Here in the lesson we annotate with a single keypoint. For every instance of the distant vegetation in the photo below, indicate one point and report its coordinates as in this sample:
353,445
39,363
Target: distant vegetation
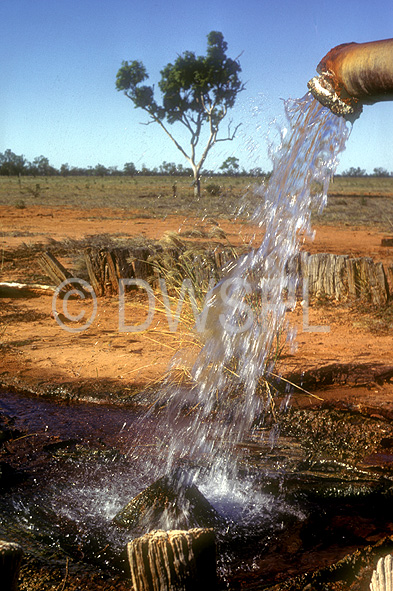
17,165
14,165
359,172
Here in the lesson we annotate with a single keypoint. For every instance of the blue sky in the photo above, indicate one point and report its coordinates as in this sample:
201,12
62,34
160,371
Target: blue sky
60,59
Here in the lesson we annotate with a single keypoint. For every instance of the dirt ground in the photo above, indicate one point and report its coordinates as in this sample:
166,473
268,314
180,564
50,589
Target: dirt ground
37,353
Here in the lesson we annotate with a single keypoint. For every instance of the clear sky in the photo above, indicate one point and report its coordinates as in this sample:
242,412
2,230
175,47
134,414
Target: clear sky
60,59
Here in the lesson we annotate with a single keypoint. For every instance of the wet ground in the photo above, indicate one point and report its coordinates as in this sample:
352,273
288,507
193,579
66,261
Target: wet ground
323,491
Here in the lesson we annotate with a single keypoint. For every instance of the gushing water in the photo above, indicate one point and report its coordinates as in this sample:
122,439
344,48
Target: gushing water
245,313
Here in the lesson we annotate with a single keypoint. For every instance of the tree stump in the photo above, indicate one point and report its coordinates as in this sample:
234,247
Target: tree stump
139,260
102,271
382,577
10,561
173,561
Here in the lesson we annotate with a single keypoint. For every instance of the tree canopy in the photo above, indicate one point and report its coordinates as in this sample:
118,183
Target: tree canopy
230,165
196,91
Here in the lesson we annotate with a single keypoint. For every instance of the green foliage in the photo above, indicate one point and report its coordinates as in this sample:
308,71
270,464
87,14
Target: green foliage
379,171
194,82
354,171
12,164
100,170
129,169
230,165
195,90
130,75
41,167
170,168
189,85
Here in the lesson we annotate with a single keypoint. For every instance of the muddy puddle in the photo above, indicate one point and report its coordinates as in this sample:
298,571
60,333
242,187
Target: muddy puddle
303,500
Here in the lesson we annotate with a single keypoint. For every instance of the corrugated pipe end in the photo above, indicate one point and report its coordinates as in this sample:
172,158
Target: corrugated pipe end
323,90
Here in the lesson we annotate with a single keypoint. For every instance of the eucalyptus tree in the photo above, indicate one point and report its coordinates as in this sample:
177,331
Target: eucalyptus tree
197,92
230,166
12,164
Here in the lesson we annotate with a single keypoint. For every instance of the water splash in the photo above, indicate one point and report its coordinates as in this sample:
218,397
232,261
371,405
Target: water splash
246,312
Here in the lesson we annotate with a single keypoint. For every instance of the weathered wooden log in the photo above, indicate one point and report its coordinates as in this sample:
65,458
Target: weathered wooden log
107,267
367,280
112,276
10,561
141,266
13,287
340,277
93,272
171,502
337,277
59,274
173,561
326,275
389,274
53,268
382,577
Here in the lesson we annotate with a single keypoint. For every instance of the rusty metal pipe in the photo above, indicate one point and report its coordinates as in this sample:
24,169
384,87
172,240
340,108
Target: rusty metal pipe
354,74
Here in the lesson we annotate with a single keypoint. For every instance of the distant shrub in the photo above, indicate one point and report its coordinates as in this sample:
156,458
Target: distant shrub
36,191
213,189
20,204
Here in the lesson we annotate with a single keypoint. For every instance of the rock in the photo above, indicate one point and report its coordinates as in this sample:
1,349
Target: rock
170,502
173,560
10,561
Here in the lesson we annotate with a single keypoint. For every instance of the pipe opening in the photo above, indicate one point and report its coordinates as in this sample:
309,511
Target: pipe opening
322,89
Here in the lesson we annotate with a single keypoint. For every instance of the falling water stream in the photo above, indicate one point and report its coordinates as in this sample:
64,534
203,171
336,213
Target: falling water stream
246,312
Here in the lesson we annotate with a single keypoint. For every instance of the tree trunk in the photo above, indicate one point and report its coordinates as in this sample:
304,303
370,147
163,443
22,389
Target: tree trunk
197,187
197,179
173,561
